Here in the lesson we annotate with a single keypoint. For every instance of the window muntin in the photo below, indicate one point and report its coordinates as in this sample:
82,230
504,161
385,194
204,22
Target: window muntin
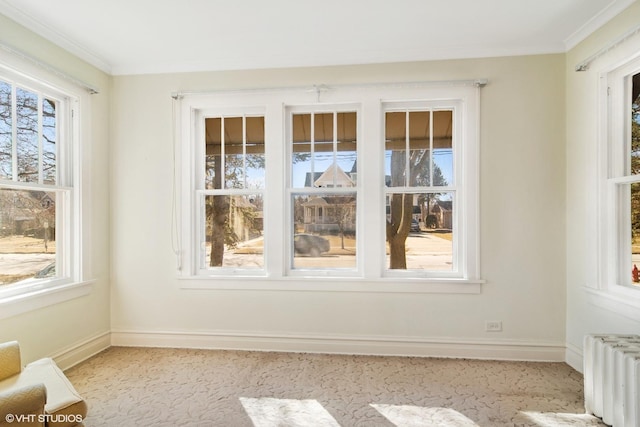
231,193
421,227
35,194
323,188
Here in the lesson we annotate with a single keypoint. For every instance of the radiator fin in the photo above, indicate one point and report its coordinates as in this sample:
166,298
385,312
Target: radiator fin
612,378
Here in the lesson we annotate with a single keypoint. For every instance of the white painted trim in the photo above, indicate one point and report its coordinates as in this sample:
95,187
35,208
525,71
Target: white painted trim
596,22
54,36
343,344
335,284
621,304
612,254
81,351
334,59
574,357
29,301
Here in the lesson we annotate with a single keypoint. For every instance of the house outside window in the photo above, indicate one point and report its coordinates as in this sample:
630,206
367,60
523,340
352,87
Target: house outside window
295,183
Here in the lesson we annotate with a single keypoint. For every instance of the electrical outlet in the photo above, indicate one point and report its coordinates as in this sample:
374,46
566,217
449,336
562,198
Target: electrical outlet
493,326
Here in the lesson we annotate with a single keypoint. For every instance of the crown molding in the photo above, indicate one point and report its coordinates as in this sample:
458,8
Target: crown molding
335,59
596,22
54,36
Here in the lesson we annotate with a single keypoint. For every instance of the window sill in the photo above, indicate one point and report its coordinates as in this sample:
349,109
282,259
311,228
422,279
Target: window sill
38,298
335,284
623,301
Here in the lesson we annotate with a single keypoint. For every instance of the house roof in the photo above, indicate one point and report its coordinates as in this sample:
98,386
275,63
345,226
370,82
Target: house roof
334,176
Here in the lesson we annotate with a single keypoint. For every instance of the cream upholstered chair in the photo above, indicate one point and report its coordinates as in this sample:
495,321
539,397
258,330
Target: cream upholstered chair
38,394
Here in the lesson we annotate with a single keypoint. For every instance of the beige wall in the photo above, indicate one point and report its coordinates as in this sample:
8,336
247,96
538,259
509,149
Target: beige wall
522,193
583,316
59,329
522,217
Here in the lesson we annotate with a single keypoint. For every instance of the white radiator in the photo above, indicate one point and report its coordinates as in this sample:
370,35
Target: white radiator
612,378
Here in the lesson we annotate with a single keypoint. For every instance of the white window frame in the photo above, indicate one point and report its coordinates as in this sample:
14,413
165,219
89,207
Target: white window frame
368,101
72,186
461,244
613,290
291,191
199,192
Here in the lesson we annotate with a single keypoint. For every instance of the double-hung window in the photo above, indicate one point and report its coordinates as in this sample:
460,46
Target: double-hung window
366,187
420,188
39,208
621,168
230,184
323,190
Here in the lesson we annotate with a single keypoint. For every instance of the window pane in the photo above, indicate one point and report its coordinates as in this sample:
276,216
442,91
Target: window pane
28,235
27,135
324,231
346,150
419,146
49,139
6,132
302,171
420,231
635,125
213,161
255,153
233,231
321,162
395,149
323,144
443,148
233,157
635,232
243,143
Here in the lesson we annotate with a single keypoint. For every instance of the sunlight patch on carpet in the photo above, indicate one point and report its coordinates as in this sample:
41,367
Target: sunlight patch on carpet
406,415
267,412
551,419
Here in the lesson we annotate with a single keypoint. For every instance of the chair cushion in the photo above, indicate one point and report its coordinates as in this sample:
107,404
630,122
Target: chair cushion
62,398
9,359
23,406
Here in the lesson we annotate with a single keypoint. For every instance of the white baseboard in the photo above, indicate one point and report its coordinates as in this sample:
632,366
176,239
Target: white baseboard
379,345
574,357
83,350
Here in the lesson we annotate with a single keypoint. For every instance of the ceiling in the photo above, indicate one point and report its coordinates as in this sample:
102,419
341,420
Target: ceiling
158,36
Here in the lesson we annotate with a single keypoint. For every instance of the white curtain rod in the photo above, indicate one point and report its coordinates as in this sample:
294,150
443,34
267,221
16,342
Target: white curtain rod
319,88
12,50
584,65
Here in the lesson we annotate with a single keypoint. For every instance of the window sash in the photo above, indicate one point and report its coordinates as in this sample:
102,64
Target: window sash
63,182
459,264
336,113
616,253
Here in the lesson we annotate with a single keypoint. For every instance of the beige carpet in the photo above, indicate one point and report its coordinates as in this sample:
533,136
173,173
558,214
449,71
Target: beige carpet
178,387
